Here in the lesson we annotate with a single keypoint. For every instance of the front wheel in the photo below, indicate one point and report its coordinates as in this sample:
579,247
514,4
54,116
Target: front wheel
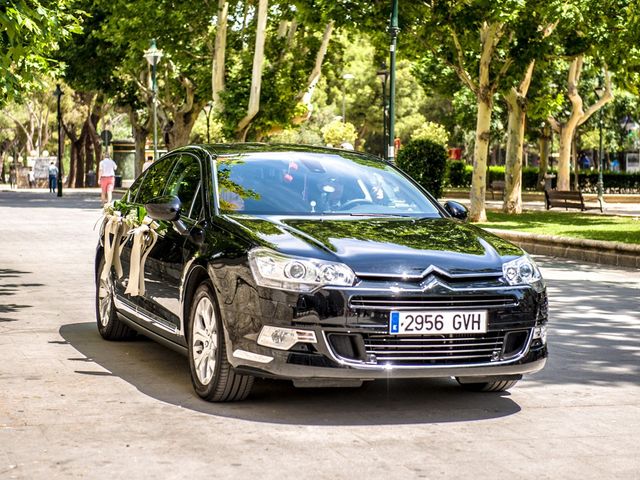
212,375
109,325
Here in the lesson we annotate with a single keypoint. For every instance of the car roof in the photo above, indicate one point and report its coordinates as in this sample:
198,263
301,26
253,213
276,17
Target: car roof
230,149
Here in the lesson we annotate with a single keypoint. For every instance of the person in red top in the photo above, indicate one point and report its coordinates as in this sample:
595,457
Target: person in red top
107,178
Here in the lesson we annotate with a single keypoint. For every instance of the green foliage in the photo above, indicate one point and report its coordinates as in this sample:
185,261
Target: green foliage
301,135
432,131
199,131
336,133
425,161
31,32
614,182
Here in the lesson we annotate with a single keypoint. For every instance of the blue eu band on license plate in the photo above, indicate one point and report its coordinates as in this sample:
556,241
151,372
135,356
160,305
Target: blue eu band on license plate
437,322
395,322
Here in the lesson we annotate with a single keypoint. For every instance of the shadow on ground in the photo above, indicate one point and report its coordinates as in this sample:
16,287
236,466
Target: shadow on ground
11,288
164,375
594,334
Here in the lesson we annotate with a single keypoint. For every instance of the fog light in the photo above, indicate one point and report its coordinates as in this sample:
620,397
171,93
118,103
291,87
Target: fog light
284,338
541,333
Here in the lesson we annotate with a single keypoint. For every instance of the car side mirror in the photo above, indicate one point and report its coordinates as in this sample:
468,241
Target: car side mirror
167,208
456,210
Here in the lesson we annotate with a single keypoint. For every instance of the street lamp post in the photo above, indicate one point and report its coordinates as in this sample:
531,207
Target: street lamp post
383,75
207,112
345,77
394,29
600,92
58,94
153,56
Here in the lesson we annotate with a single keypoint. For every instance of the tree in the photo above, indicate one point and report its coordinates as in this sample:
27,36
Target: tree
336,133
473,39
256,73
533,30
432,131
599,36
577,116
31,33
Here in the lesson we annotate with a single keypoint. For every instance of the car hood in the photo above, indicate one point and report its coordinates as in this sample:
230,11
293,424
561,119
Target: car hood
384,246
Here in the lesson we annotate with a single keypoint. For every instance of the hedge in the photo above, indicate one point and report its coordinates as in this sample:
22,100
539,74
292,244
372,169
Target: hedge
459,175
426,162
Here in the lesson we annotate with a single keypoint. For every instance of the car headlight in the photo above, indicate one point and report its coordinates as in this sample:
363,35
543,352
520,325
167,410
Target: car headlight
521,271
276,270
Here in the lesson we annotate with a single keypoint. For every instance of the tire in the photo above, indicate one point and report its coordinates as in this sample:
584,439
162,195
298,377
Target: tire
212,376
109,325
497,386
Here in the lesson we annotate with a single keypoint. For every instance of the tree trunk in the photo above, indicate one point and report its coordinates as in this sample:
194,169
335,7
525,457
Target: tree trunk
517,103
544,144
513,163
73,162
140,134
180,128
564,157
140,138
489,36
218,65
578,117
87,155
477,211
314,77
256,74
94,138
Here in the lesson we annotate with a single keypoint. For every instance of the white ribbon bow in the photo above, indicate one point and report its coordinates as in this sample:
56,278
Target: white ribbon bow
144,238
113,236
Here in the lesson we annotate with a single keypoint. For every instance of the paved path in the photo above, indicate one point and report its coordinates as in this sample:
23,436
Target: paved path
74,406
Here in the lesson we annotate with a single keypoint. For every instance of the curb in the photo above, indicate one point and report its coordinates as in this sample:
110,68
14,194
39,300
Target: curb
595,251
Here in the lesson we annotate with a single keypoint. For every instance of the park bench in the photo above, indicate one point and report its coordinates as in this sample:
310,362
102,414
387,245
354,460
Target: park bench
496,186
567,199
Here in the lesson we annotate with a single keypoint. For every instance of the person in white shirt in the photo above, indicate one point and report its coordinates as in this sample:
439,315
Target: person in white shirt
147,163
107,178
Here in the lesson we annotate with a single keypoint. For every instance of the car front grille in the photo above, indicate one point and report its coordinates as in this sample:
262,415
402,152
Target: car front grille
430,302
430,350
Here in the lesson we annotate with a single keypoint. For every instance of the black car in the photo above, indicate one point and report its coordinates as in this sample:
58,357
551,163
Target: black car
323,266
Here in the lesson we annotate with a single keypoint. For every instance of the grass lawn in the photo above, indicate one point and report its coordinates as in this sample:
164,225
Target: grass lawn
576,225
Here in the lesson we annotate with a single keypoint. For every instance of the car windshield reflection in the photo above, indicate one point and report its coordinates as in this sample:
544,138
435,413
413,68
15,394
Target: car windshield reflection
297,183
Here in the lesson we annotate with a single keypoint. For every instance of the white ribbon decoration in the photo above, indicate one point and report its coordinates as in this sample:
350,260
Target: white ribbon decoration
113,233
144,238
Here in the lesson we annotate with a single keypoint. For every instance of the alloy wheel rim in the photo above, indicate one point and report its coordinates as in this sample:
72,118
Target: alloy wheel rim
204,343
105,300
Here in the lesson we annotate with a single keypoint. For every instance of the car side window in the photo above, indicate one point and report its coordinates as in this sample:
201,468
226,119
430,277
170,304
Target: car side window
155,180
196,206
133,189
184,182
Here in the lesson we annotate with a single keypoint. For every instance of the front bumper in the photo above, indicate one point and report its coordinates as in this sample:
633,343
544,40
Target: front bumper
282,367
353,340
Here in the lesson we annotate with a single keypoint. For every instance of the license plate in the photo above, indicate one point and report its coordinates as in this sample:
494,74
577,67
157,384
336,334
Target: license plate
437,322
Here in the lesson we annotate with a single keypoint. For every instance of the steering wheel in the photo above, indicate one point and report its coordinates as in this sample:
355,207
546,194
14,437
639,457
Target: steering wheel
355,201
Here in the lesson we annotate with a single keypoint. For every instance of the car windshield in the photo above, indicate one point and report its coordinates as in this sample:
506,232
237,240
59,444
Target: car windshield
309,183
